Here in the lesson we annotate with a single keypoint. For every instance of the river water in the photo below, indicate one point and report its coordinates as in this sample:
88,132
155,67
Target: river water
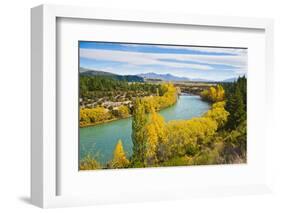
100,140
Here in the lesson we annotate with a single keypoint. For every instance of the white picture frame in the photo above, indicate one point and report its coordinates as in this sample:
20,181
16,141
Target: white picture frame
44,154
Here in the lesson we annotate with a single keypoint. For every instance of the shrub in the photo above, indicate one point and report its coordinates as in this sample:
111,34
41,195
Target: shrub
89,163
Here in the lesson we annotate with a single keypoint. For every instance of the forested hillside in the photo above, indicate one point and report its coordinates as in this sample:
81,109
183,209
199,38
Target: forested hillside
103,98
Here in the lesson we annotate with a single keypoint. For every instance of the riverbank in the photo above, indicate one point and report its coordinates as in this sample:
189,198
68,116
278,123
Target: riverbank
103,122
102,115
116,119
100,140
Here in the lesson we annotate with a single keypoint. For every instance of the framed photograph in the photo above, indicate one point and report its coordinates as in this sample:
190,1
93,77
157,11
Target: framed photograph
186,112
129,106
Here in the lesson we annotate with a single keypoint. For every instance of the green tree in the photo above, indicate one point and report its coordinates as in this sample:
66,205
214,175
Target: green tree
235,149
138,123
236,107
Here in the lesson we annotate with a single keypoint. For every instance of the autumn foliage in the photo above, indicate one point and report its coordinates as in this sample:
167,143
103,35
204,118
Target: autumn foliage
218,136
93,115
213,94
167,97
119,157
89,163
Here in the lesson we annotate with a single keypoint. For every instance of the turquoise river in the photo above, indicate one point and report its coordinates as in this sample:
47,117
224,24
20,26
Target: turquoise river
100,140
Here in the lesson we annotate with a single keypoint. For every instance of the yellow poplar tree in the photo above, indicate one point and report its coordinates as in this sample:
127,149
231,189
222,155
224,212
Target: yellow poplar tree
155,138
213,94
119,157
220,93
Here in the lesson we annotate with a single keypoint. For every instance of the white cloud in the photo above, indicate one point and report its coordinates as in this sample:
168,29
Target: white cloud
224,50
239,61
136,58
206,49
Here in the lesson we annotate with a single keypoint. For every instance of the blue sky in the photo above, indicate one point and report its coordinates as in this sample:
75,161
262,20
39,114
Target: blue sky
187,61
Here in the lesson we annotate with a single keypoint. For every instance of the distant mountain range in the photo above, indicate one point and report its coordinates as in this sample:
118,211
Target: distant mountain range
170,77
163,77
129,78
229,80
143,76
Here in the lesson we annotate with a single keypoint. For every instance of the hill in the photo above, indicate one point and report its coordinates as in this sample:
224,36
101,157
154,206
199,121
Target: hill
129,78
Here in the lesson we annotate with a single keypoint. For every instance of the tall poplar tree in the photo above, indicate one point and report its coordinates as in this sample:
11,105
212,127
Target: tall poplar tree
156,139
138,124
119,157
